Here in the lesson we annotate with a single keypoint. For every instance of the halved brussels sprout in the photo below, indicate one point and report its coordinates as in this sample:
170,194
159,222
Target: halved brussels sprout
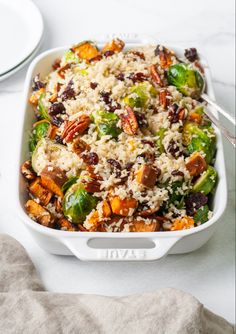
201,216
106,123
42,146
40,130
69,183
186,79
161,135
78,203
43,112
206,182
200,139
139,95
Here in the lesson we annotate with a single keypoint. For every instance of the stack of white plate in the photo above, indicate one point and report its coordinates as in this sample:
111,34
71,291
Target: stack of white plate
21,33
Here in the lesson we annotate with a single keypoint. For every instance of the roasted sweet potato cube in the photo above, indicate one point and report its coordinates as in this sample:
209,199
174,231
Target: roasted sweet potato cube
86,50
123,207
39,213
195,117
116,45
106,209
196,164
147,176
182,223
141,226
53,178
65,225
34,98
36,189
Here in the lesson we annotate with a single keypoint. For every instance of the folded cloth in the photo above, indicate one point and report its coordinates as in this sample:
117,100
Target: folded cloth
25,307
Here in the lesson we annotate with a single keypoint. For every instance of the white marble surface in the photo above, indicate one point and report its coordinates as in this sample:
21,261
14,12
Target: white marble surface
208,273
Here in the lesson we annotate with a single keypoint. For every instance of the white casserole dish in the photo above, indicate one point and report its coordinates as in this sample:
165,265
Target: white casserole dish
99,246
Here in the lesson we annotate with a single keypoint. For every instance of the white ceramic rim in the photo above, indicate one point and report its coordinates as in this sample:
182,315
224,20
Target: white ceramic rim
29,7
149,235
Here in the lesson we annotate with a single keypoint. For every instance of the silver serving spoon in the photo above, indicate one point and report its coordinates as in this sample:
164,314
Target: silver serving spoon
231,138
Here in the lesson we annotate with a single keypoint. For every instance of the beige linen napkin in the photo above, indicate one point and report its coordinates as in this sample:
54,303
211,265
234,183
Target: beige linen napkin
25,307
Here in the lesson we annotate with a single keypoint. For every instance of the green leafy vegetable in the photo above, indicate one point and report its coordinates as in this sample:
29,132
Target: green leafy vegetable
201,216
139,95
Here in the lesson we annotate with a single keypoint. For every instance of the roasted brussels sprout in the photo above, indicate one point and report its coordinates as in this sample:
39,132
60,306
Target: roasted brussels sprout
201,139
44,145
201,216
139,95
43,112
161,135
69,183
186,79
106,123
78,203
40,130
206,182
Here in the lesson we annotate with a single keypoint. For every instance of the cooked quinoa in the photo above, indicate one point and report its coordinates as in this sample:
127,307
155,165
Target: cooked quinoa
114,146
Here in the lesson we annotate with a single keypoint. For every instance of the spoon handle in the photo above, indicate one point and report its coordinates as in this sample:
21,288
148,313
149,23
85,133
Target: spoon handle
223,130
217,107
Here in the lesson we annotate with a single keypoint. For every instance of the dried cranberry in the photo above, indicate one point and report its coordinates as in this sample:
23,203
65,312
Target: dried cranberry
106,97
116,166
173,149
109,53
177,173
158,50
90,158
58,139
191,54
69,92
148,142
57,108
141,119
138,77
195,201
120,77
173,113
57,121
96,58
93,85
111,105
129,165
37,84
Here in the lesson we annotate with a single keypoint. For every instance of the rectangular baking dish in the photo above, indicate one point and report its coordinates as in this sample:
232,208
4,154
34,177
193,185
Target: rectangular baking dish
99,246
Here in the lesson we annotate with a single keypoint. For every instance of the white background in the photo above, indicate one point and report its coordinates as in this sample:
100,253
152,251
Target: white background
208,273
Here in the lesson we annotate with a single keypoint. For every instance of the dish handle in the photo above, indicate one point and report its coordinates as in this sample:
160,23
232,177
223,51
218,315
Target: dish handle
83,251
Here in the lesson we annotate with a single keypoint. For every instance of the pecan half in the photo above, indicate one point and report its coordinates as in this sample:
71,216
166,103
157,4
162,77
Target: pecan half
61,70
76,127
129,122
165,56
27,171
92,186
164,98
155,75
80,146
